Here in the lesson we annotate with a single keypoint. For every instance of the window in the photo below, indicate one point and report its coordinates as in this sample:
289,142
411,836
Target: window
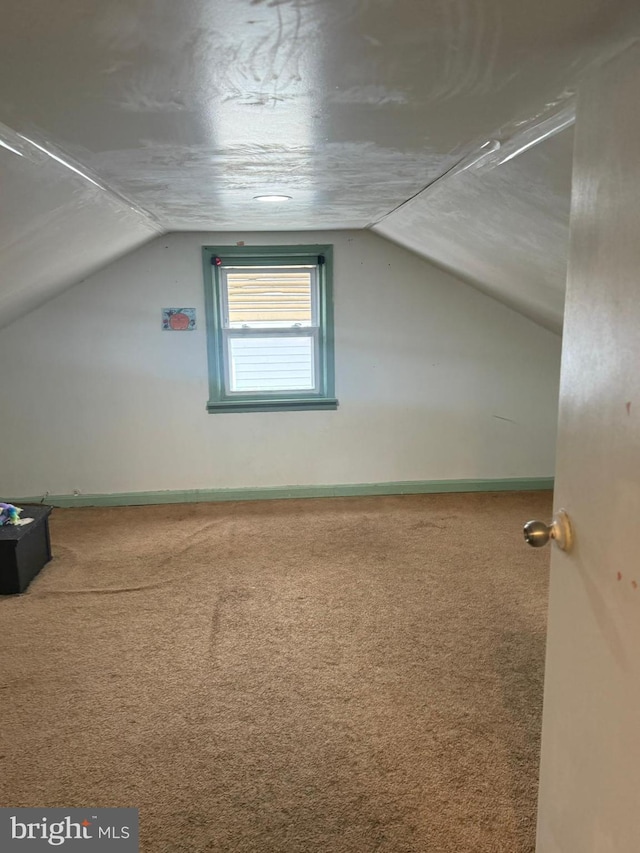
269,328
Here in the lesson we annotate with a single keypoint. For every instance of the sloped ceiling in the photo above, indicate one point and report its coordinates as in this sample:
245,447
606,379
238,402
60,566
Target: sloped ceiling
129,118
55,228
503,229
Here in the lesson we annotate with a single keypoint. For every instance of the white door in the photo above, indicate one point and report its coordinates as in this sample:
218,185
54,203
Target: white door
590,770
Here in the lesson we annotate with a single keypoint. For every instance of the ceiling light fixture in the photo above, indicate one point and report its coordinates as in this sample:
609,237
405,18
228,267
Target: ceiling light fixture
272,198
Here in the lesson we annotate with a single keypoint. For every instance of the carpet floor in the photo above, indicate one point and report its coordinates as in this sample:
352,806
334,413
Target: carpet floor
342,675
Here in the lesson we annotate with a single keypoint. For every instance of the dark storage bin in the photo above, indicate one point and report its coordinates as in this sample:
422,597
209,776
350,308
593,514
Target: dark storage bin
24,549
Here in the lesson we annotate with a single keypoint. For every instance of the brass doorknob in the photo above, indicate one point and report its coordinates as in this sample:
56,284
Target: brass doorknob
537,533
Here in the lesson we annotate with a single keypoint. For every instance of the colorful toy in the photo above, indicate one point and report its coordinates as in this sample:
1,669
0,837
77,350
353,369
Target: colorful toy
9,514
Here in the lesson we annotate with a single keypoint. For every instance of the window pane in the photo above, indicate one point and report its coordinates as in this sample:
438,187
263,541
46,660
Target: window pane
269,298
271,364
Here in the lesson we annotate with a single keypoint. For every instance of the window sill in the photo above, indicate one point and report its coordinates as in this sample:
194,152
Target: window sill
301,404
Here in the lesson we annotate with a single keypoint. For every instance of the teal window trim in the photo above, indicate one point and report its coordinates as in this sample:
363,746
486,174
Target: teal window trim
278,401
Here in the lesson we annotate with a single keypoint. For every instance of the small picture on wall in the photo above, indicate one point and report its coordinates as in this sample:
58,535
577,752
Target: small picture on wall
178,319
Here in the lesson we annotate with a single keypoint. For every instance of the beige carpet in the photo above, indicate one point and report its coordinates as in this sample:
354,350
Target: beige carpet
310,676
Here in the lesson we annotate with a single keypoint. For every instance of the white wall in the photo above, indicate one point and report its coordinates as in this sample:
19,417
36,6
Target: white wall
435,381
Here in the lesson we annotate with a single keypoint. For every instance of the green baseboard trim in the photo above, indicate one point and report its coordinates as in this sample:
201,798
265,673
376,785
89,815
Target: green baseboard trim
409,487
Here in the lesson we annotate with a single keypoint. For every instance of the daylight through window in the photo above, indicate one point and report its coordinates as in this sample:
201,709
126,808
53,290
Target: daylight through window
270,323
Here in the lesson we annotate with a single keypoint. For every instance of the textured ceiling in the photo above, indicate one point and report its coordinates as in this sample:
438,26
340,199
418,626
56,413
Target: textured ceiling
503,229
175,114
